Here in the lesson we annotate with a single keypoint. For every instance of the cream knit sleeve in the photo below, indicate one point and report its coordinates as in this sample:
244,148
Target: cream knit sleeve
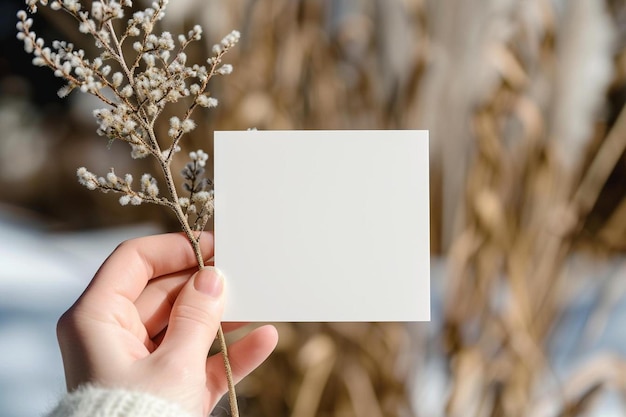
90,401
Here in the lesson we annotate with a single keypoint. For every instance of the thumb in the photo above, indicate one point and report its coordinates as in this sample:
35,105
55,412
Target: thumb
196,315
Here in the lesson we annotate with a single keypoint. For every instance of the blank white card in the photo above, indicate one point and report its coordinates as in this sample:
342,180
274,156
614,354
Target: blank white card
323,225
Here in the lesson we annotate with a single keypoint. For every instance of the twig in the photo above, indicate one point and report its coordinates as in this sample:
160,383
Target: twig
140,93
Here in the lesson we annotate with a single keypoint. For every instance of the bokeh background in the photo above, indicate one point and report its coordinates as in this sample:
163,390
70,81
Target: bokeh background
524,101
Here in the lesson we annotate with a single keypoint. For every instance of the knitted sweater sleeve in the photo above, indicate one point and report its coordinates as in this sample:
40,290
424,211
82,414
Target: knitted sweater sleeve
90,401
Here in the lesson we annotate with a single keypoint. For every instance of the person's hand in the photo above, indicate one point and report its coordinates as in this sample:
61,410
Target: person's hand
146,322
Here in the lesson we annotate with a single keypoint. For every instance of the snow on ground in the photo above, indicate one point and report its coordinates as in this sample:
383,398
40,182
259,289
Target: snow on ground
41,274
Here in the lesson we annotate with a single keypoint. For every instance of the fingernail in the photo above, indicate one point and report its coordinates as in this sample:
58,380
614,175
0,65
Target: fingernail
209,281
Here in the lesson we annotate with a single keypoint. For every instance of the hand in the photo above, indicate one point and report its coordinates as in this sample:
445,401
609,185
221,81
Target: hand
146,322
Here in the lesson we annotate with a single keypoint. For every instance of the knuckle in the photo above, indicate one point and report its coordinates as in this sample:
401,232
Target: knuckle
192,315
127,245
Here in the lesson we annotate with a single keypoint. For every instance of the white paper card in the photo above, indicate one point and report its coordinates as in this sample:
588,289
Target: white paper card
323,225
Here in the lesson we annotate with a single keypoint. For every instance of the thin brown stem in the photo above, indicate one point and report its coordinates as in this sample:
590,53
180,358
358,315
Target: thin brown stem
194,239
603,164
120,52
232,395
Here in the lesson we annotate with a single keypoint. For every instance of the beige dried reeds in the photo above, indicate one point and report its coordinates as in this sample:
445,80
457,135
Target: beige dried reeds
527,196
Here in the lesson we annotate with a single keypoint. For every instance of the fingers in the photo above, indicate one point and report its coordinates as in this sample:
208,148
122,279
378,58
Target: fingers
156,340
155,302
129,268
245,356
195,317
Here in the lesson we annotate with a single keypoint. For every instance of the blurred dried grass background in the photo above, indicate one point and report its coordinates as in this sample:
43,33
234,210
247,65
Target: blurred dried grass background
524,101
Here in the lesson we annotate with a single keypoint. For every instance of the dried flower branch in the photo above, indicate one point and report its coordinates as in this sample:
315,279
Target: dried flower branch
136,89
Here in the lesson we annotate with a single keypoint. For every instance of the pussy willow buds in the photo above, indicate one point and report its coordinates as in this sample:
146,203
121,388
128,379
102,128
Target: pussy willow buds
135,94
